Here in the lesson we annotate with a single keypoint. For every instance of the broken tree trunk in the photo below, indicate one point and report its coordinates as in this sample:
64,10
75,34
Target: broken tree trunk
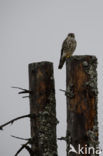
42,103
81,91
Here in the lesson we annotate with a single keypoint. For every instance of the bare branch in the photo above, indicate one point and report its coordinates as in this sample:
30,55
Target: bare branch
18,88
29,150
20,138
68,93
62,138
25,96
22,147
13,120
23,90
25,146
63,90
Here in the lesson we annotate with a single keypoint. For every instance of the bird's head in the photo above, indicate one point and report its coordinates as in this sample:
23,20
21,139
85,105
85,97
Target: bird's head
71,35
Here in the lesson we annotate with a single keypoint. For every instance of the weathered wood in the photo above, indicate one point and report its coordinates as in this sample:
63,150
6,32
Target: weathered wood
81,87
42,103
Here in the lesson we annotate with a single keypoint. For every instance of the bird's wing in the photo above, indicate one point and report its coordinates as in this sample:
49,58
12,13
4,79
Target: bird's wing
62,59
64,45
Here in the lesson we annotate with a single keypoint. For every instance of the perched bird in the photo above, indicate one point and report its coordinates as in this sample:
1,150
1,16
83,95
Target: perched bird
68,47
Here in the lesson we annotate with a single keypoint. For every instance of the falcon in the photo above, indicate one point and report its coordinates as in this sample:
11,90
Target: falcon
68,47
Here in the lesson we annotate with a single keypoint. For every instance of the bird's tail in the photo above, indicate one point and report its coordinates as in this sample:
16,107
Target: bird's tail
61,63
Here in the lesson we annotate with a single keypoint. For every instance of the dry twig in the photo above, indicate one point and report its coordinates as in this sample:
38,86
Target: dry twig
23,90
15,119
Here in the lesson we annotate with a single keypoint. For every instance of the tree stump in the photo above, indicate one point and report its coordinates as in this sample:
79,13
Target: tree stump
42,103
81,92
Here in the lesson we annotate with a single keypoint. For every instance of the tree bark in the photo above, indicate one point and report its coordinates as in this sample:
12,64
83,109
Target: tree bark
81,87
42,103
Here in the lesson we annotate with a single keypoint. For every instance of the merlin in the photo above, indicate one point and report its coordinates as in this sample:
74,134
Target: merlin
68,47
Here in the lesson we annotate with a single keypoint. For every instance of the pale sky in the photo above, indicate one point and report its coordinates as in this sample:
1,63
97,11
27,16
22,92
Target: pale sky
33,31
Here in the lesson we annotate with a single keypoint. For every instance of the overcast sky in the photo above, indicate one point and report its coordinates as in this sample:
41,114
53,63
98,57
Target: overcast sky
33,31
